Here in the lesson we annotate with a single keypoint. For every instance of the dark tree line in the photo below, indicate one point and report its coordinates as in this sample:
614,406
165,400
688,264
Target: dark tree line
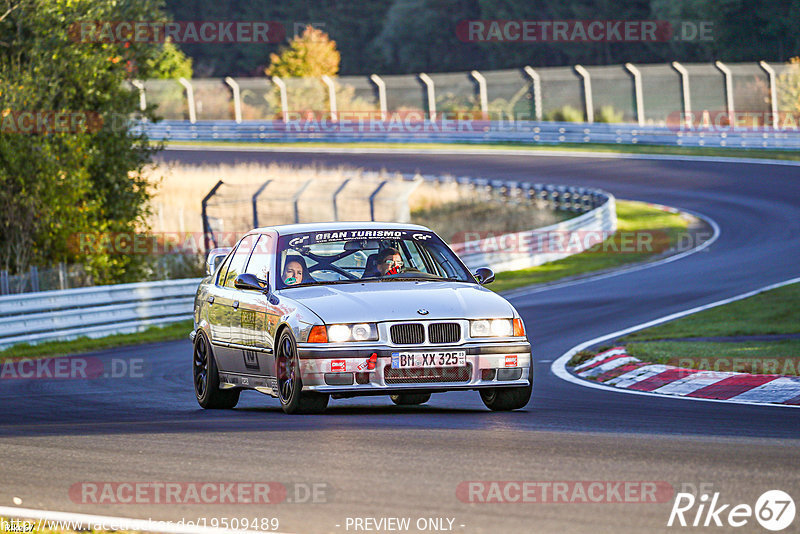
402,36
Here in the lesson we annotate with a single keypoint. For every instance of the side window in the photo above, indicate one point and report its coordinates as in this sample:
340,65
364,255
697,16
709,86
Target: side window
239,259
224,269
262,259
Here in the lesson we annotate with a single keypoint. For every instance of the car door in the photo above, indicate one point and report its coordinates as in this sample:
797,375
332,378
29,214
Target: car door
251,321
227,304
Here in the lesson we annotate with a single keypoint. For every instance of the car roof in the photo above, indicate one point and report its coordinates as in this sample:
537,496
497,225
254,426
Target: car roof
287,229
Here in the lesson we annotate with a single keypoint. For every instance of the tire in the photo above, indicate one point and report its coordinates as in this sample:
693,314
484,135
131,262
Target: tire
407,399
506,399
206,378
290,383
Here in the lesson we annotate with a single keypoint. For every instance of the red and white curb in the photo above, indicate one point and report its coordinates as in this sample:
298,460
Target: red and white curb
684,384
616,368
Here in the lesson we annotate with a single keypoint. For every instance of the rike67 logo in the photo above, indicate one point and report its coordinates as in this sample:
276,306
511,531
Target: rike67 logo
774,510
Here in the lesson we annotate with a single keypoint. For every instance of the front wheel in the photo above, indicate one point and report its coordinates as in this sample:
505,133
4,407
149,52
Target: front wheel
505,399
290,384
408,399
206,378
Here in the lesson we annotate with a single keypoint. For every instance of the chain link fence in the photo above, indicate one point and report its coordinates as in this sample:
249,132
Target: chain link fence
577,94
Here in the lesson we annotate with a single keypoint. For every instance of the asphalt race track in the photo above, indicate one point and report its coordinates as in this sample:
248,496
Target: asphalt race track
378,460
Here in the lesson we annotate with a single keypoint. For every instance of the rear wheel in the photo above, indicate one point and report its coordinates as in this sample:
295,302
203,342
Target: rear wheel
206,378
505,399
406,399
290,384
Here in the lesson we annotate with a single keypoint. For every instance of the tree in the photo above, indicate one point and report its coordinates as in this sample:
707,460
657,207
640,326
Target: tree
58,184
310,55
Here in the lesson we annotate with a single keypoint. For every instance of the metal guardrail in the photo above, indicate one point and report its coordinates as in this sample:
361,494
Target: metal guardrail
127,308
94,311
427,131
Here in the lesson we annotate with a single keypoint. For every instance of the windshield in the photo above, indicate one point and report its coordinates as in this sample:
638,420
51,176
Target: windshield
343,256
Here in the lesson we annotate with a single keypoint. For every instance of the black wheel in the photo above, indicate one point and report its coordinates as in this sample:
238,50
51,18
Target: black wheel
290,384
206,378
406,399
505,399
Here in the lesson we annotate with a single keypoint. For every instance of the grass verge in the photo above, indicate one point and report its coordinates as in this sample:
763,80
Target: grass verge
570,147
152,334
693,342
632,217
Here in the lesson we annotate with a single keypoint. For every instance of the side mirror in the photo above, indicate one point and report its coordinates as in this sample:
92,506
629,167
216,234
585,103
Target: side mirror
251,282
484,276
214,258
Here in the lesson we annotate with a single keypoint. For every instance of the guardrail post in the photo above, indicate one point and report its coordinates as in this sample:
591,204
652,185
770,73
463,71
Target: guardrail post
773,92
336,194
728,75
142,98
588,104
207,233
284,98
189,98
372,199
331,96
537,91
686,96
255,202
431,92
34,278
296,199
381,85
237,102
637,92
482,94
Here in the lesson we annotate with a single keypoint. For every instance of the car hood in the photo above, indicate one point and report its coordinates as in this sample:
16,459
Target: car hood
398,301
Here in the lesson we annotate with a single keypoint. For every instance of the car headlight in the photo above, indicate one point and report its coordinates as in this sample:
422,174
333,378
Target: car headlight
491,328
339,333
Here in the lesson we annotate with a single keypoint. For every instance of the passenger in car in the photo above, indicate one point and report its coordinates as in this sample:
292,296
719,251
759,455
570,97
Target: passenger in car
294,270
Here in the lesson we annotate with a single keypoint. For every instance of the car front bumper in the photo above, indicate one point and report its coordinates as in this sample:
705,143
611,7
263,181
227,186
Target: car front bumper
346,370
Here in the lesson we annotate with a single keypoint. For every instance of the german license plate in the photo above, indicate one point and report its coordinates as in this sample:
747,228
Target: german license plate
409,360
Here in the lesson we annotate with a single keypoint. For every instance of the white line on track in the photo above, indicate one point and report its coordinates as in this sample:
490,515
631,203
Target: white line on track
481,152
559,367
110,522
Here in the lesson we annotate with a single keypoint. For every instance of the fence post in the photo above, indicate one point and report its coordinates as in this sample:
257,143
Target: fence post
336,194
62,275
773,92
537,91
284,99
728,75
381,85
189,98
372,199
331,96
4,286
255,202
34,278
296,199
637,92
685,94
142,98
482,94
431,95
207,234
237,102
588,104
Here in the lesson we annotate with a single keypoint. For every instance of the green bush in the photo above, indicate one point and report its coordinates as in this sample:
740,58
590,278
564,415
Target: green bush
565,114
608,114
